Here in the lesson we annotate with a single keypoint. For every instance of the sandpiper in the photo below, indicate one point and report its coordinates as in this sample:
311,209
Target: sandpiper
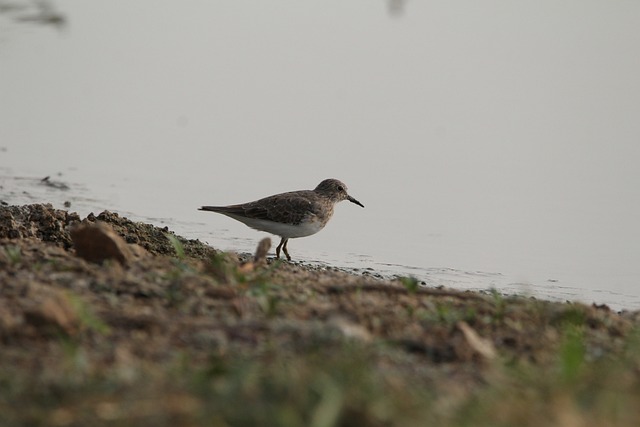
289,215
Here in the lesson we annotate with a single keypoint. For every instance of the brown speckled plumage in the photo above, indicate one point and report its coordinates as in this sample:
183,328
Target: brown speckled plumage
289,215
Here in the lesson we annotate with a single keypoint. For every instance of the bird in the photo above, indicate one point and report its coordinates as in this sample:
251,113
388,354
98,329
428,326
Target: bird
290,215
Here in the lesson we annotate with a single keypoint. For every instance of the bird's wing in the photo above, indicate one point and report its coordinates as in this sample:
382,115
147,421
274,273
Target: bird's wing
286,207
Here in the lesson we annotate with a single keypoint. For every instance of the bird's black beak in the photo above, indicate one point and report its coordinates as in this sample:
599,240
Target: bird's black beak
352,200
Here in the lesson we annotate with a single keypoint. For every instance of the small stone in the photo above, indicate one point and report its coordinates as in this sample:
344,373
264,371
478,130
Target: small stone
482,346
260,257
98,242
262,250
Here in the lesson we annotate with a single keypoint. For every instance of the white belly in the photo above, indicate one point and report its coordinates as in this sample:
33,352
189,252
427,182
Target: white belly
288,231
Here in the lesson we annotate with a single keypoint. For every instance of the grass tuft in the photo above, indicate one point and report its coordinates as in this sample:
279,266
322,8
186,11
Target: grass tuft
178,247
411,284
13,254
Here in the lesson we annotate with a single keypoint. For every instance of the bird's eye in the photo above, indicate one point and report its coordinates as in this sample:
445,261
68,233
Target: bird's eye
340,188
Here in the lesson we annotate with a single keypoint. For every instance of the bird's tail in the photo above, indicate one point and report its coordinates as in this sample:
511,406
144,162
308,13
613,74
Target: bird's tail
212,208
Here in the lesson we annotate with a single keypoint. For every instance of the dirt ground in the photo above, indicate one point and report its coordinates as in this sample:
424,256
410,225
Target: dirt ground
162,330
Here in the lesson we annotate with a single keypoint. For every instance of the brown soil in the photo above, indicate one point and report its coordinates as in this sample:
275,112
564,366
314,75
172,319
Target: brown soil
144,315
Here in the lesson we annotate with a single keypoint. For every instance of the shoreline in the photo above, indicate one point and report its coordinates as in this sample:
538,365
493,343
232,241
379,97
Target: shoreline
63,194
195,333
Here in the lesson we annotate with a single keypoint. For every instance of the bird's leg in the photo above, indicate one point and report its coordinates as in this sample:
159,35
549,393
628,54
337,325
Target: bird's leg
282,241
284,249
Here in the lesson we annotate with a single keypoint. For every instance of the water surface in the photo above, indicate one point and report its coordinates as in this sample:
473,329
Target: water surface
493,144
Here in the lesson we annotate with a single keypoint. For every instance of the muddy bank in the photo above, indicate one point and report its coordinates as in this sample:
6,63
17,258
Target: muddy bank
192,334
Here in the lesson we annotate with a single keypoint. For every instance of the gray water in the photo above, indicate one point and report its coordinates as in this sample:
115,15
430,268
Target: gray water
493,143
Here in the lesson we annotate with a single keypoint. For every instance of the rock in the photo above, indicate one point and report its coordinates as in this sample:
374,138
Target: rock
96,242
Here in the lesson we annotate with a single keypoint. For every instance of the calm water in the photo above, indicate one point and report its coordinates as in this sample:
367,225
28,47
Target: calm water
493,144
